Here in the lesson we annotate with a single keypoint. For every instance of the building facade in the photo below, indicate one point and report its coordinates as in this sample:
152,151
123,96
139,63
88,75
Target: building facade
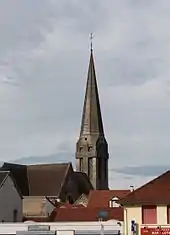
40,207
148,217
59,181
92,148
148,208
10,199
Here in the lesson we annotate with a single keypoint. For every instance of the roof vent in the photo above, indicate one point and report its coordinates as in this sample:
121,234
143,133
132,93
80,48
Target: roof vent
131,188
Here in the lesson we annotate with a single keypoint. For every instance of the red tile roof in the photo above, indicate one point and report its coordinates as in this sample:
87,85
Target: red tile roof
156,191
85,214
68,205
100,198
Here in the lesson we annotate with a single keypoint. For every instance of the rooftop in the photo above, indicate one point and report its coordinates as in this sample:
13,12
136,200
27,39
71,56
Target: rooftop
157,191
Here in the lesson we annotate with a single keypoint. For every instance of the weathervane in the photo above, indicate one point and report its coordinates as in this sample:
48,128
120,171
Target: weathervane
91,41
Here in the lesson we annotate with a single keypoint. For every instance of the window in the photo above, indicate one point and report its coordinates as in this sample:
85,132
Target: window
149,215
81,164
168,214
90,168
113,202
15,213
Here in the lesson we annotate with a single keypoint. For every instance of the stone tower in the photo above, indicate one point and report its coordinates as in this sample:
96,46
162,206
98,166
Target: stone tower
92,148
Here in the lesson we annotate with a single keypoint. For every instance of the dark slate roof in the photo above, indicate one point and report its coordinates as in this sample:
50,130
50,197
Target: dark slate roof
38,180
49,179
91,118
155,192
19,173
3,176
83,182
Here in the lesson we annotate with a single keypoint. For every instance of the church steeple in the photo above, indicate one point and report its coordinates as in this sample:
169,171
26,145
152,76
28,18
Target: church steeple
92,149
91,118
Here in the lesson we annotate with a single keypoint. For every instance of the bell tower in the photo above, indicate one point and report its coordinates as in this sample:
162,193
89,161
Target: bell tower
92,148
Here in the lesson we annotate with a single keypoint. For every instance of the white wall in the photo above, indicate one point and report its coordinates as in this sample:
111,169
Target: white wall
11,228
132,213
10,200
36,206
48,207
162,215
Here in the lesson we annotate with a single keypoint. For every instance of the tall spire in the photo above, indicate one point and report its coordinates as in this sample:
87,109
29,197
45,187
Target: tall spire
92,148
91,118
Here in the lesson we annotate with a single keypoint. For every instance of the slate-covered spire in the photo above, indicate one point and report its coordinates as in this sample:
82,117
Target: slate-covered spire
91,118
92,148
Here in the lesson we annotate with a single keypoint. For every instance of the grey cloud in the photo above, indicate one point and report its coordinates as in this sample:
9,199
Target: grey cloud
143,170
53,158
22,23
129,71
44,49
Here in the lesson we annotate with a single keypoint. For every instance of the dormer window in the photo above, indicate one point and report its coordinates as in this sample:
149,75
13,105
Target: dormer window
114,202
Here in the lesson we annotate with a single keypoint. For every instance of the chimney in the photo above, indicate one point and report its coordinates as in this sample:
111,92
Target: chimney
131,188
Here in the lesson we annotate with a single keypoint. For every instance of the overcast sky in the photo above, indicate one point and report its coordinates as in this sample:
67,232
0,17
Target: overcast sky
44,56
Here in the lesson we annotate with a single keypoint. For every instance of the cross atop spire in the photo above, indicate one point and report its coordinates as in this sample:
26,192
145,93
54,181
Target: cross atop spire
91,41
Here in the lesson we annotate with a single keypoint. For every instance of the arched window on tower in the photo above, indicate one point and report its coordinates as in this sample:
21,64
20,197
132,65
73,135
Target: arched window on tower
89,148
81,164
90,168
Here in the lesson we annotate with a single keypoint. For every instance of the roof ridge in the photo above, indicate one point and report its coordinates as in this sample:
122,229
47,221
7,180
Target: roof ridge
12,163
5,178
145,185
64,179
151,181
49,164
16,186
4,171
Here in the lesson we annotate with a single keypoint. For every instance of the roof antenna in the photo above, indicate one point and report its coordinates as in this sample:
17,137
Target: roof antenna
91,42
